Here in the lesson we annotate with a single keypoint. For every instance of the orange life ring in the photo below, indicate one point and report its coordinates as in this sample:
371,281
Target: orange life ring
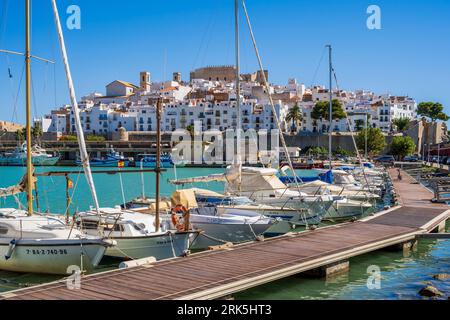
175,220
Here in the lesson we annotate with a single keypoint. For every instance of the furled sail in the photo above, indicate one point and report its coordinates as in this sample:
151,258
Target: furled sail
16,189
208,178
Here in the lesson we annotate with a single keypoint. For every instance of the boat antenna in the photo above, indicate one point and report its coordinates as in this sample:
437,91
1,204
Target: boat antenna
76,111
238,159
28,108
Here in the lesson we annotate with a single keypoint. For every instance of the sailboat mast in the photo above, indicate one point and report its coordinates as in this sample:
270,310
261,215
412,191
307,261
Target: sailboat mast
80,134
238,93
158,161
28,108
330,111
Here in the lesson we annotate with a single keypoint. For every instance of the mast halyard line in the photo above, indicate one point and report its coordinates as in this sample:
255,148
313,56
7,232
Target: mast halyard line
82,144
267,87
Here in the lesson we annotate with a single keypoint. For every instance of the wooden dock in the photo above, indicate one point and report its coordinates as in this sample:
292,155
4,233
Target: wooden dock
216,274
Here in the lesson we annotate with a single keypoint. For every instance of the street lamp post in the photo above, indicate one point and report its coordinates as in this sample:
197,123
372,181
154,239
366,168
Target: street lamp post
439,151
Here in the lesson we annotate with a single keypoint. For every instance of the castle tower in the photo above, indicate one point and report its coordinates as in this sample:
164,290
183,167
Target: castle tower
177,77
145,80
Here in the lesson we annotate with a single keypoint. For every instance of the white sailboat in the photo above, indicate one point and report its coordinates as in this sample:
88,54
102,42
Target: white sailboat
40,243
135,234
44,244
138,235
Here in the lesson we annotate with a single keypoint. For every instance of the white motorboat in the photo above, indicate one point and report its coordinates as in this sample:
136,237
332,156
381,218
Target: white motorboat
345,209
222,225
262,186
321,187
18,157
44,244
296,217
134,234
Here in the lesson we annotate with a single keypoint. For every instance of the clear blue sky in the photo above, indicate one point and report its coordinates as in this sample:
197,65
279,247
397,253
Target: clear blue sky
118,39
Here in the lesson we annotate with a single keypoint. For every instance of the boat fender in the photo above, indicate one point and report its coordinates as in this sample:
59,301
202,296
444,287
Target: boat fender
12,246
137,262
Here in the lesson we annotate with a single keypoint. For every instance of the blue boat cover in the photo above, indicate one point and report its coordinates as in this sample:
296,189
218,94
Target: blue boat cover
327,177
345,168
290,179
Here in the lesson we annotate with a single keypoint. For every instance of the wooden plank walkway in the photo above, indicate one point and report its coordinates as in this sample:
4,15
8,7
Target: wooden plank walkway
215,274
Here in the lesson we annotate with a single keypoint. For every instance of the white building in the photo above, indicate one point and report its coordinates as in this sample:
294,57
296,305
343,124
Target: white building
219,115
103,119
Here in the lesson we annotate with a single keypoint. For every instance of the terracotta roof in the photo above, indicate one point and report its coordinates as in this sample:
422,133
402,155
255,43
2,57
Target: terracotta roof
169,89
128,84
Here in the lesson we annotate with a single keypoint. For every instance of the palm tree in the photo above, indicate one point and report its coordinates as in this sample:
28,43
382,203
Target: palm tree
190,129
294,115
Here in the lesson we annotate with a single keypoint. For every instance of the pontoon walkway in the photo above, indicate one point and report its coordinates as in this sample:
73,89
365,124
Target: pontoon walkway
216,274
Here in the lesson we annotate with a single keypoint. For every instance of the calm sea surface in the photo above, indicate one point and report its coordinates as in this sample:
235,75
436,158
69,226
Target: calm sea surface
402,276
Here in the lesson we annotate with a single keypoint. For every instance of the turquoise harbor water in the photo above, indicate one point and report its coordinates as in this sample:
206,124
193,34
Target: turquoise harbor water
402,275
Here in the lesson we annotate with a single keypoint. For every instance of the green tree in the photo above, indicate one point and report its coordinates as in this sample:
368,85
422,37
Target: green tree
294,115
318,150
343,152
69,137
93,137
321,110
359,123
402,146
36,131
21,134
402,124
432,110
375,140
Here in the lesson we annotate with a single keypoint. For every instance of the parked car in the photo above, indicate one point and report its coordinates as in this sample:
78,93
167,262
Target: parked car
443,160
433,159
385,159
411,158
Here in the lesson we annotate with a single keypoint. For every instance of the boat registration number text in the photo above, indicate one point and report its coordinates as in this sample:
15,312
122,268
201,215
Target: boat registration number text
48,252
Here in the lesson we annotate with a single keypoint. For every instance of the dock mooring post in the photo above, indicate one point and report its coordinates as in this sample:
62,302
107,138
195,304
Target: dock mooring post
440,228
404,246
329,270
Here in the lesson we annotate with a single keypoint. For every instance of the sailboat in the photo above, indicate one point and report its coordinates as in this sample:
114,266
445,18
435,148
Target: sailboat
138,235
263,188
217,224
41,243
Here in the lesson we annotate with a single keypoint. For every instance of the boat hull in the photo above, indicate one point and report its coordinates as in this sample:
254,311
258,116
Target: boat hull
37,161
315,210
217,234
50,256
151,164
164,246
346,211
106,163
